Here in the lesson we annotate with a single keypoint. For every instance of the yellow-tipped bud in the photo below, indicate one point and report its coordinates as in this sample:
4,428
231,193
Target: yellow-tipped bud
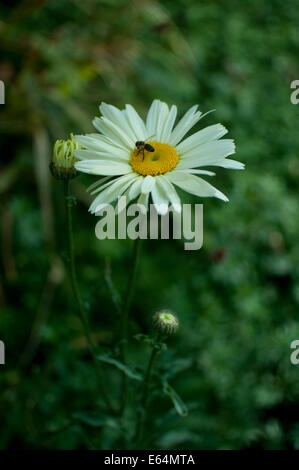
165,322
63,160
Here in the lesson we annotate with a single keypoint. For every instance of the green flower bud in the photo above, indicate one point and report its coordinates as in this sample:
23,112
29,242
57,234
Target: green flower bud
165,322
62,164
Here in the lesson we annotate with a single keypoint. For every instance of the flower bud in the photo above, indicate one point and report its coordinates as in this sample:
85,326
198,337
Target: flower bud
62,164
165,322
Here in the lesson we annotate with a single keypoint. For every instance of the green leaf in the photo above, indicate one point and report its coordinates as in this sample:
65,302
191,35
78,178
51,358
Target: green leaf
176,400
124,368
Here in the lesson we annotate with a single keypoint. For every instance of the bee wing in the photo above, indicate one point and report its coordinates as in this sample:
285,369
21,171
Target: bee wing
148,138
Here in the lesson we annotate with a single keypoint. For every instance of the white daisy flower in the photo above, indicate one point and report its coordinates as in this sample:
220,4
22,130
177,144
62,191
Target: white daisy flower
135,172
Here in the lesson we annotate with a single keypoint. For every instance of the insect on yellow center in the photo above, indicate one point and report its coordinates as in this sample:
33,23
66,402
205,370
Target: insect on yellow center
163,159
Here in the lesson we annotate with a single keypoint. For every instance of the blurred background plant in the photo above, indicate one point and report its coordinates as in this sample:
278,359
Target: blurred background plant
236,298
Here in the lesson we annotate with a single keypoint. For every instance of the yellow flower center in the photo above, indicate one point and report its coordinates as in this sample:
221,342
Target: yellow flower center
163,159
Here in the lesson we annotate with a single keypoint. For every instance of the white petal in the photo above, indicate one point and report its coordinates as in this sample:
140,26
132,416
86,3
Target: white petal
152,117
207,154
114,132
168,125
136,123
99,183
102,186
130,193
160,198
197,172
231,164
119,208
118,117
170,191
107,184
147,184
105,167
94,155
207,134
156,119
188,120
105,139
195,185
143,201
135,189
91,143
162,118
110,193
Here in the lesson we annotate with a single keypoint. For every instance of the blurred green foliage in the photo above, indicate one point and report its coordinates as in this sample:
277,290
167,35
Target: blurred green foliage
237,298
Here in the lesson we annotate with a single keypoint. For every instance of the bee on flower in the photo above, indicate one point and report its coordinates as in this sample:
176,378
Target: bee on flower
166,161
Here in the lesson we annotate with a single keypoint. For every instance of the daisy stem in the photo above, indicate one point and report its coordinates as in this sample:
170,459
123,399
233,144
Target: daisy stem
76,292
141,416
125,313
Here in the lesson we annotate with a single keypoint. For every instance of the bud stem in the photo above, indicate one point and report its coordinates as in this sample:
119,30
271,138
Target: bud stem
145,389
146,382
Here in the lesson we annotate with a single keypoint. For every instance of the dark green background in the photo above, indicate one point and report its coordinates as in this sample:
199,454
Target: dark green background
236,298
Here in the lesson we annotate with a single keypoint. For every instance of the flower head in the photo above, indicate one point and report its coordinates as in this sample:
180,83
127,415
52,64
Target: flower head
139,159
63,159
165,322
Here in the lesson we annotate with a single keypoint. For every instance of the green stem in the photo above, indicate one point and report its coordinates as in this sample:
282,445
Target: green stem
141,417
125,315
81,311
